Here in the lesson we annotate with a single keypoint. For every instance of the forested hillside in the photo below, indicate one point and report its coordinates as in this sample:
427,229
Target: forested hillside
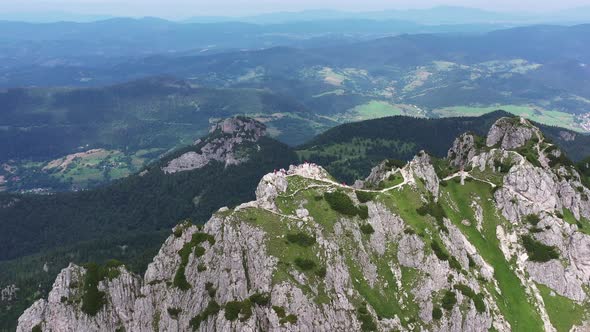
350,151
127,219
71,139
145,202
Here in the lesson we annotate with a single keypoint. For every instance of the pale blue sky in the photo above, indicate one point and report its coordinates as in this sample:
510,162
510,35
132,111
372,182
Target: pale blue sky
186,8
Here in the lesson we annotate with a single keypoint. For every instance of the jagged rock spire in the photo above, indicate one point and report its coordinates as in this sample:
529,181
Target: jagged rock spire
464,148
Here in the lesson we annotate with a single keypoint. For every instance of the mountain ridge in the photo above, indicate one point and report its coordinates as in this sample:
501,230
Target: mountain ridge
366,143
311,253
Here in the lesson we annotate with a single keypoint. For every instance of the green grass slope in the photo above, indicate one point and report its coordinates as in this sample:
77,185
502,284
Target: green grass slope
389,297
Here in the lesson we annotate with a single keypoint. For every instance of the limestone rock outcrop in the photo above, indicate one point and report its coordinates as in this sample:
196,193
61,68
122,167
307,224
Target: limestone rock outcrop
421,166
222,145
463,150
379,173
62,309
510,133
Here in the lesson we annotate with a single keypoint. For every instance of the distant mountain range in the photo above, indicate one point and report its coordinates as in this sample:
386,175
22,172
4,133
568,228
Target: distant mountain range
545,44
92,44
428,16
436,15
51,17
540,72
62,40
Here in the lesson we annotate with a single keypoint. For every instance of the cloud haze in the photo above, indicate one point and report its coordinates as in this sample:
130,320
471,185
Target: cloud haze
185,8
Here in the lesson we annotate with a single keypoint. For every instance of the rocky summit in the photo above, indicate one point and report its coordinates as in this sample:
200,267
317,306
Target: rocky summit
220,145
493,238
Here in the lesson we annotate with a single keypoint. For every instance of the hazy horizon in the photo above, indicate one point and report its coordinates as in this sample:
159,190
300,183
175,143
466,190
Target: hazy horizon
180,9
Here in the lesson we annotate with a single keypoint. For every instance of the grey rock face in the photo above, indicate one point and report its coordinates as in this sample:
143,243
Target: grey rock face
276,183
61,311
410,251
411,254
379,173
462,151
463,250
237,266
545,192
531,190
527,190
240,127
188,161
221,145
387,227
269,188
8,293
574,196
487,160
559,278
422,168
579,255
510,133
310,171
571,274
583,327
